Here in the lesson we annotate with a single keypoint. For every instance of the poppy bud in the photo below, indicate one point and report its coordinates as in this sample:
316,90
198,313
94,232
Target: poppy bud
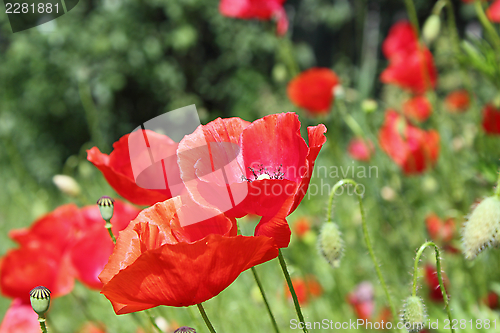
106,206
330,244
481,229
431,28
414,314
40,300
369,105
67,185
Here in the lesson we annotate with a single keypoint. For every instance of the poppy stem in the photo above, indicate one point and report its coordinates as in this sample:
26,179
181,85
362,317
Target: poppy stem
257,280
348,119
108,227
205,318
292,291
152,320
439,274
41,320
497,190
366,236
485,22
412,14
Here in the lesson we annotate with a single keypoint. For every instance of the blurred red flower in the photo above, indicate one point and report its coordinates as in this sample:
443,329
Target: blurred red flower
411,66
305,289
258,175
362,300
301,226
117,169
432,281
20,318
493,12
361,149
491,119
457,101
412,148
162,259
257,9
313,90
438,230
417,108
491,300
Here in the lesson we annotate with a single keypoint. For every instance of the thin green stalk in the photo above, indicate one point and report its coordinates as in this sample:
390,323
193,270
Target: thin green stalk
257,280
41,320
487,24
152,320
366,236
292,291
286,54
205,318
349,120
108,227
439,274
412,14
497,190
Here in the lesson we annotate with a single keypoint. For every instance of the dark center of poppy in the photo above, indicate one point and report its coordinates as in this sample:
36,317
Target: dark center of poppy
262,172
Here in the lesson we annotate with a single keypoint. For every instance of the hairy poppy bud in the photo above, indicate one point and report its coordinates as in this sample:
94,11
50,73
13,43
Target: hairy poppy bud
40,300
330,244
67,185
481,229
414,314
106,206
431,28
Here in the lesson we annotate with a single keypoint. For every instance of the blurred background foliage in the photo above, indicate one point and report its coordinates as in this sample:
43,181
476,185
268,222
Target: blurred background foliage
107,66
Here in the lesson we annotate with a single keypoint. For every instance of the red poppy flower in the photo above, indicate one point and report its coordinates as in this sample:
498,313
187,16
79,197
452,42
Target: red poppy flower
432,281
411,66
256,9
313,90
20,318
301,226
417,108
493,12
162,259
304,289
491,300
412,148
244,169
361,149
93,246
457,101
491,119
438,230
401,39
362,300
117,167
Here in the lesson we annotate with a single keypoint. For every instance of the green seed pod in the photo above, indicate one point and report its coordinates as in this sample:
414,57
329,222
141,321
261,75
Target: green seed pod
481,229
106,206
40,299
431,28
414,314
330,244
369,105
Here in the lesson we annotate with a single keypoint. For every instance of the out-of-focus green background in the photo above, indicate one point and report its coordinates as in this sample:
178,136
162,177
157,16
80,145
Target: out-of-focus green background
107,66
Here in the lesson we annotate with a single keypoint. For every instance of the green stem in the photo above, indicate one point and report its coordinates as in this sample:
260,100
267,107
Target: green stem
412,14
292,291
205,318
41,320
366,236
497,190
487,24
286,54
108,227
439,274
152,321
349,120
257,280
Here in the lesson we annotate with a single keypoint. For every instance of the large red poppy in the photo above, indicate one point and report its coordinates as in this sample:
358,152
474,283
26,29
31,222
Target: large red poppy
262,168
256,9
158,261
20,318
491,119
493,12
117,167
412,148
313,90
411,66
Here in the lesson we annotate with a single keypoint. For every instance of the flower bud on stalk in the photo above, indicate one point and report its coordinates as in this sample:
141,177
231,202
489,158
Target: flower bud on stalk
330,244
431,28
481,229
414,314
106,207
